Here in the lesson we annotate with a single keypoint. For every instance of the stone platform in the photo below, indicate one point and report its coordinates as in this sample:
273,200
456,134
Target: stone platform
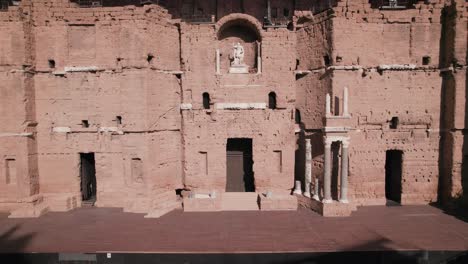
333,209
374,228
239,201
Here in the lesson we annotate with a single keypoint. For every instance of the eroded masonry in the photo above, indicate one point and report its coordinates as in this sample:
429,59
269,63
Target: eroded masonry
211,105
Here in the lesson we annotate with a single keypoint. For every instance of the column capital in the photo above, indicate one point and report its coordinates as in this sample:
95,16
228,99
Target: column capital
345,143
328,141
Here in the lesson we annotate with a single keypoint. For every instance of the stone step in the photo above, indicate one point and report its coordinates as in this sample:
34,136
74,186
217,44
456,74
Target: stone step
164,195
167,203
242,201
164,209
30,210
62,202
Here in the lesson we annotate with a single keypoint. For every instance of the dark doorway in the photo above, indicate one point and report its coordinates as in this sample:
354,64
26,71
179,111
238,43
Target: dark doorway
240,175
393,171
206,101
88,177
272,100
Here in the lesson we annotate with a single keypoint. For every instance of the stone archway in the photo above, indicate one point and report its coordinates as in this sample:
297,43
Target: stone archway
243,30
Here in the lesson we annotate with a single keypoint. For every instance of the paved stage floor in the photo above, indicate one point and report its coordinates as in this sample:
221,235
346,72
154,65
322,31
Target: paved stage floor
372,228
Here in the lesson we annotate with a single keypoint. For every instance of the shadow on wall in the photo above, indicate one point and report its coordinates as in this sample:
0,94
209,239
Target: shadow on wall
446,107
452,205
299,165
465,141
109,3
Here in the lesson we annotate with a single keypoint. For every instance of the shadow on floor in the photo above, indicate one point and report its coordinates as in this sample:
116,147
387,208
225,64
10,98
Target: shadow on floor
10,242
457,207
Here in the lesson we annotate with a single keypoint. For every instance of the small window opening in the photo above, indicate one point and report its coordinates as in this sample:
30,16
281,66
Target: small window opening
339,59
394,122
298,118
51,64
10,169
85,123
326,60
426,60
298,62
206,101
118,120
272,100
286,12
274,12
150,58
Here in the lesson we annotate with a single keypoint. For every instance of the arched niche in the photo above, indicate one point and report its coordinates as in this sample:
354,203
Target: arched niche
242,29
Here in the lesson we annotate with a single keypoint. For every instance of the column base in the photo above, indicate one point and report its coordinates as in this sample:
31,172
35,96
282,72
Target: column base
306,194
345,201
333,209
327,201
316,197
299,192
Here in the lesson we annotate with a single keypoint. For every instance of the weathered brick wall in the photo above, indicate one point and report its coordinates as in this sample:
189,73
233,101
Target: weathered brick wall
61,64
206,131
128,57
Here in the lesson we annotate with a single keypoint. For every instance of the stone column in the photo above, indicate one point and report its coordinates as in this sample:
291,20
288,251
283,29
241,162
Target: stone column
344,171
218,63
297,188
345,102
327,172
316,190
327,105
259,58
308,168
268,10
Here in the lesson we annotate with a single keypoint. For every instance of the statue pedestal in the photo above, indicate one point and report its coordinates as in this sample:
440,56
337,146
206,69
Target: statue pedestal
239,69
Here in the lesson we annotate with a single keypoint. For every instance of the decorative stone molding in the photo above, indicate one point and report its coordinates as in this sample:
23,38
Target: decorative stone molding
16,134
82,69
240,106
61,129
186,107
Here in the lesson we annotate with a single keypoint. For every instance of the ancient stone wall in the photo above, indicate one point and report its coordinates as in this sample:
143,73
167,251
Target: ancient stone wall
206,131
147,90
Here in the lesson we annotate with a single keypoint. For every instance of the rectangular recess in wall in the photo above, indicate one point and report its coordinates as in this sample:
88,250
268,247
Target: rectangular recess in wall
204,162
137,170
10,171
82,44
279,160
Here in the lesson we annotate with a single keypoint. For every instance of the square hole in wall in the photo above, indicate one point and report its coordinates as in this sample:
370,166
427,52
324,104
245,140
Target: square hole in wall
274,12
85,123
51,63
394,122
149,58
426,60
118,120
326,60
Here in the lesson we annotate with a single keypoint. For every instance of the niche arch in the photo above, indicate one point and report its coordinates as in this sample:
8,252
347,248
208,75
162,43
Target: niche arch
245,30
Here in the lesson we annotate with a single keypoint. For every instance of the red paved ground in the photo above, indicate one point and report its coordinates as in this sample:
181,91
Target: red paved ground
110,230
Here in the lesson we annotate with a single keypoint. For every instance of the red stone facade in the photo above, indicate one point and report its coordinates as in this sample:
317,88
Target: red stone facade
142,90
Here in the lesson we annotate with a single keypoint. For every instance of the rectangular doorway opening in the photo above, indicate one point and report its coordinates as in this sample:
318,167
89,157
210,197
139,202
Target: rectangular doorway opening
239,167
88,178
393,171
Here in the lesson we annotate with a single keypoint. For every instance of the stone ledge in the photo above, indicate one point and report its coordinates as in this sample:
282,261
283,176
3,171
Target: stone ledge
278,202
333,209
202,204
240,106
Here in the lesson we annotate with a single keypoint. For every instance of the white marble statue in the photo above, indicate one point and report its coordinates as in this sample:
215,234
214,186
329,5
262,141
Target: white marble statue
237,55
